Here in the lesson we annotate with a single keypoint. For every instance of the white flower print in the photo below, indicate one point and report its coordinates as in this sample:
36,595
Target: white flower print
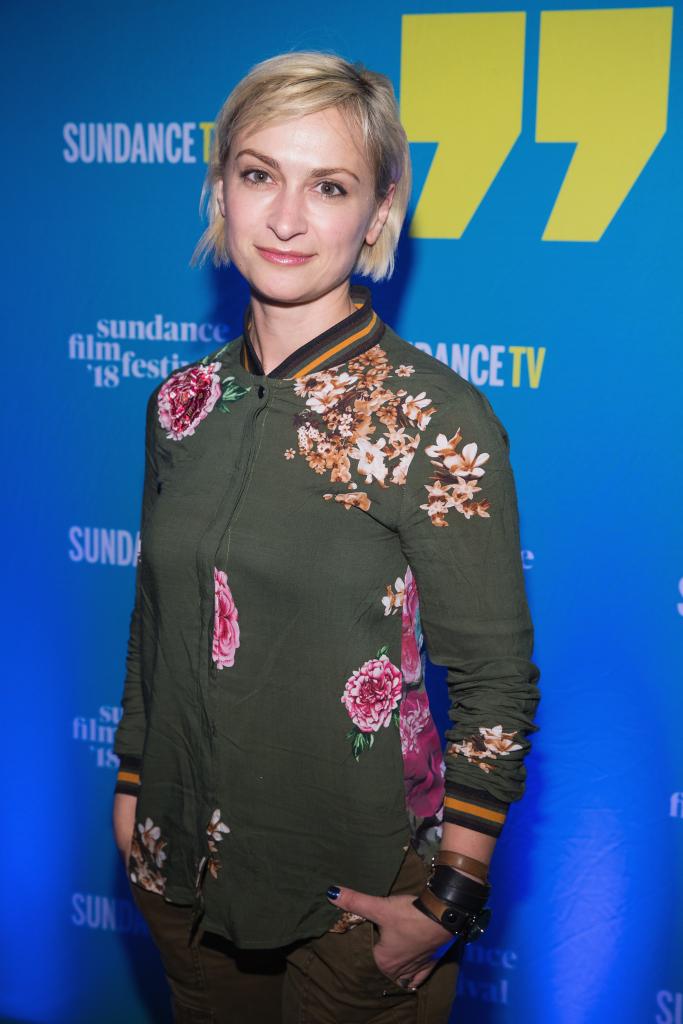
412,723
466,462
215,831
393,601
414,408
147,856
370,460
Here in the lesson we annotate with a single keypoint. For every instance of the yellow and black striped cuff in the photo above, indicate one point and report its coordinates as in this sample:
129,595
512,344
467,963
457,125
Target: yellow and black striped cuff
129,775
474,808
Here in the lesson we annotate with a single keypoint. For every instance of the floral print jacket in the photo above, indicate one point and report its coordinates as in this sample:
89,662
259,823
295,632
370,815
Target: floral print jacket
308,537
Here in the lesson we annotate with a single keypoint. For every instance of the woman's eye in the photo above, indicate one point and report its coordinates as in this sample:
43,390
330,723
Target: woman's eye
259,176
331,189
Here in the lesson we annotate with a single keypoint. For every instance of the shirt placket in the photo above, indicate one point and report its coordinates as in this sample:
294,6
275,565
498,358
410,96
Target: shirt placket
212,550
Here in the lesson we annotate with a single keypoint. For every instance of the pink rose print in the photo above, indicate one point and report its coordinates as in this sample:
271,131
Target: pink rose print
226,630
423,763
186,398
371,696
372,693
411,664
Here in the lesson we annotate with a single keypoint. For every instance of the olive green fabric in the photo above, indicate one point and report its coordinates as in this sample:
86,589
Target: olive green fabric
279,522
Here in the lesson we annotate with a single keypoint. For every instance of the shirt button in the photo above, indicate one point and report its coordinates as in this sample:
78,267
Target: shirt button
261,390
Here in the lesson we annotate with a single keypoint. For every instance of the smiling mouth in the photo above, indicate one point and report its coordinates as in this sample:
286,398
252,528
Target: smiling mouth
284,256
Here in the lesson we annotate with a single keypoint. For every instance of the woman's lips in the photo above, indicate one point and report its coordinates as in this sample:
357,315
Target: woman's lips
283,257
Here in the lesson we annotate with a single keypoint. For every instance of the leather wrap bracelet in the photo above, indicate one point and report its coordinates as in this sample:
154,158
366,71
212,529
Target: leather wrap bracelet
464,924
455,901
460,860
452,887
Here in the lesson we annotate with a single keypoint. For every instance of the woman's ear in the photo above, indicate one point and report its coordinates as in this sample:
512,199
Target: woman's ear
379,220
220,196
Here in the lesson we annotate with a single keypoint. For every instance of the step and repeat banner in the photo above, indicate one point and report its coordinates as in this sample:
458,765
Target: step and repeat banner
541,260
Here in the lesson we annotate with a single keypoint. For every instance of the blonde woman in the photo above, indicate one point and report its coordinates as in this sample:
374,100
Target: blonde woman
318,494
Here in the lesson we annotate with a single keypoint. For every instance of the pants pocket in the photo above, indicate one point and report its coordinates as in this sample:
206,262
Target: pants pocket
410,879
412,874
389,986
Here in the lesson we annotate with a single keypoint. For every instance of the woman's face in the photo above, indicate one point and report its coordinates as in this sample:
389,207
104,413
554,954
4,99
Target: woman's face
298,199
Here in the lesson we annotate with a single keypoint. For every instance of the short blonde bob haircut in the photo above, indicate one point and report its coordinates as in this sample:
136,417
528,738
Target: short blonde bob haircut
291,85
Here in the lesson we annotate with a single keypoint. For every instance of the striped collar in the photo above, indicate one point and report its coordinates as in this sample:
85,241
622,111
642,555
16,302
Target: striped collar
349,337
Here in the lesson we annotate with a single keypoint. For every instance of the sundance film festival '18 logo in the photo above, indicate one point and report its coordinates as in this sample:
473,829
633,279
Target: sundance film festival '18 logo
97,732
107,358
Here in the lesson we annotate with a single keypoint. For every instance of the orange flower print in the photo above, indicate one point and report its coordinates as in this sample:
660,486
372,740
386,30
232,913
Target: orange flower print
355,425
452,486
359,499
347,921
490,743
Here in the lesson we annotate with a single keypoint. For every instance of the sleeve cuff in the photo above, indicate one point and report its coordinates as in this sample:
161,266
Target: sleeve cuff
475,809
129,775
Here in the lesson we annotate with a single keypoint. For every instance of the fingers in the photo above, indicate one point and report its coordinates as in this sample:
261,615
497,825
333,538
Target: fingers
370,907
413,979
422,975
411,972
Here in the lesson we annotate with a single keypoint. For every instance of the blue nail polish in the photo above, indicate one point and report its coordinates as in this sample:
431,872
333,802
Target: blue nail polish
333,892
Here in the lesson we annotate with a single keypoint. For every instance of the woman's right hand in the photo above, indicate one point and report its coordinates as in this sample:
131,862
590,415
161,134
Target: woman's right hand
123,820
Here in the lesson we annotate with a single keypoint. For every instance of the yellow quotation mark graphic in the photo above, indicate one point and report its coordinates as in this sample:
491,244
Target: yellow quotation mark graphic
603,81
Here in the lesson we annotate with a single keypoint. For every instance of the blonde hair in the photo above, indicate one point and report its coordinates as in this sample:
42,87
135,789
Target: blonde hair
294,84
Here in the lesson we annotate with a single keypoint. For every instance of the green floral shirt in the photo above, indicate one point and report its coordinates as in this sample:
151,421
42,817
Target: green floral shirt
307,537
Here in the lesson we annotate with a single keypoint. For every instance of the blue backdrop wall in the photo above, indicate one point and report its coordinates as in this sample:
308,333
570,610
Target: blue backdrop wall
541,259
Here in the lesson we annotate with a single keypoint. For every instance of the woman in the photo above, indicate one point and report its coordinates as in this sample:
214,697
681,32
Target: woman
317,492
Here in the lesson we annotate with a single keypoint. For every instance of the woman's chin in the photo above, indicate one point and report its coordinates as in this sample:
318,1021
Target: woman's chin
286,286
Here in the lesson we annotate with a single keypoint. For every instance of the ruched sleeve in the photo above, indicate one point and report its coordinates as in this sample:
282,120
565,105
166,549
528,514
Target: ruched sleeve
459,531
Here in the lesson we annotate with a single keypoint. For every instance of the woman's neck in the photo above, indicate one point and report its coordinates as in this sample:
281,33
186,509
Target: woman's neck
278,330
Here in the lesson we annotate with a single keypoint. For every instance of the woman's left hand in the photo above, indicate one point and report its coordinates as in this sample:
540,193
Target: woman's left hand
409,940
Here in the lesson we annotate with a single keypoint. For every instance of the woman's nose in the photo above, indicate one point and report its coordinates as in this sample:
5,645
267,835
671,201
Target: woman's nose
286,214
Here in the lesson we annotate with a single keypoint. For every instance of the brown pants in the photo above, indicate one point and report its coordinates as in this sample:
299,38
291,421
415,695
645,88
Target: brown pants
332,979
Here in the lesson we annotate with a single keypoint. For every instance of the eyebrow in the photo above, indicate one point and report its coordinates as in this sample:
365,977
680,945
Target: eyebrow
317,172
